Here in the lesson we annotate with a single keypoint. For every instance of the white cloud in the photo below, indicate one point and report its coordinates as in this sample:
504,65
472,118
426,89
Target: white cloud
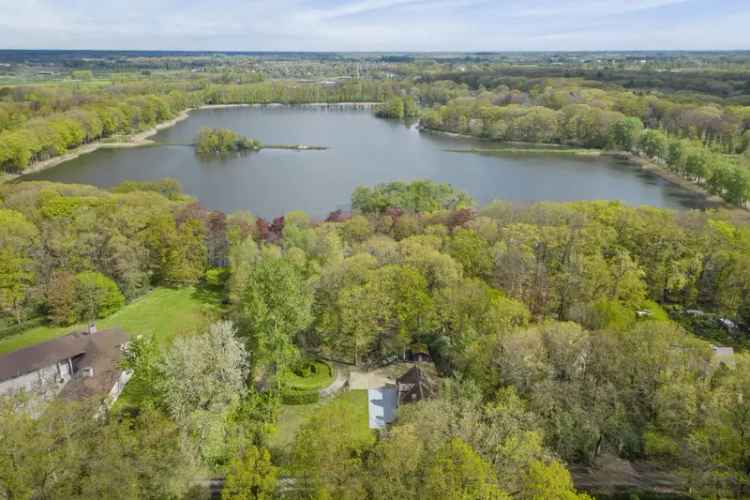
360,8
588,8
367,24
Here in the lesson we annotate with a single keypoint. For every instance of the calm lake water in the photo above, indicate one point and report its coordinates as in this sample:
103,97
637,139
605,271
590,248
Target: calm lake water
363,150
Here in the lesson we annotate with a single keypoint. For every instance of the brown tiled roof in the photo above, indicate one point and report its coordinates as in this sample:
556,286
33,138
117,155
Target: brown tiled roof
92,347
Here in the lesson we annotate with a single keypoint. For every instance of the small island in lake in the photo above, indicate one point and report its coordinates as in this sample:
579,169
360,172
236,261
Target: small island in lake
222,141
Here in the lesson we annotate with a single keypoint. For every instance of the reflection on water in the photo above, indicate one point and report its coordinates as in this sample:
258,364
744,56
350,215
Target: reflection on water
363,151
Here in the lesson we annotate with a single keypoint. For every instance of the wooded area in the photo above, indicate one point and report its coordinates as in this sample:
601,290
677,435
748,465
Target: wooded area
562,332
559,325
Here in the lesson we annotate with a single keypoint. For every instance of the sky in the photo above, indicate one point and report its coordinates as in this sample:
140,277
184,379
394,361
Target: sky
375,25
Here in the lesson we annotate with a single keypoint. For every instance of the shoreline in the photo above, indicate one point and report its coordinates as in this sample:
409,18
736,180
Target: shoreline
711,201
515,150
141,139
285,105
714,201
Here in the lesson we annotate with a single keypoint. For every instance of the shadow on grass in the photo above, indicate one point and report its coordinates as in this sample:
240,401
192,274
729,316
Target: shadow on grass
211,294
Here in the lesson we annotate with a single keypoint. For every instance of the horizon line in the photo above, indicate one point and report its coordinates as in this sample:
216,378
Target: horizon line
288,51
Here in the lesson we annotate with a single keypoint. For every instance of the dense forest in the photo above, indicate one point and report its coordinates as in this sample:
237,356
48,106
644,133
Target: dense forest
562,332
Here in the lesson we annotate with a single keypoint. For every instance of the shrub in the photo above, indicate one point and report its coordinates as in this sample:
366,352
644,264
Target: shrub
85,296
656,312
609,314
216,277
97,295
20,328
306,369
659,445
169,188
61,299
300,398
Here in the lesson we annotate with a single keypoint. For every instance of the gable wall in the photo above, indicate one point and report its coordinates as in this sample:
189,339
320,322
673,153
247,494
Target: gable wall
50,380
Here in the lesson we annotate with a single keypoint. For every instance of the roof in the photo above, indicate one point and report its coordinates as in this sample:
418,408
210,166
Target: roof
31,359
103,354
381,406
415,385
36,357
414,375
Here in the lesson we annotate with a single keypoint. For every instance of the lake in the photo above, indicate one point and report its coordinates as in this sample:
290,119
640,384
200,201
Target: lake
363,150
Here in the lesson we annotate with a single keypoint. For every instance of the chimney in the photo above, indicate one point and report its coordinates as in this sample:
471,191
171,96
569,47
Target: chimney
92,328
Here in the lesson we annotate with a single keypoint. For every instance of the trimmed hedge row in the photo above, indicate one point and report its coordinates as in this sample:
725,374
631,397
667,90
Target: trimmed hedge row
300,398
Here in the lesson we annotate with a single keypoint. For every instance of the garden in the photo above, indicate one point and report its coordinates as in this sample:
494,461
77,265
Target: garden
303,383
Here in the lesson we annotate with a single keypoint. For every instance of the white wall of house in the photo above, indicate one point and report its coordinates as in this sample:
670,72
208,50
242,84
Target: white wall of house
119,387
49,380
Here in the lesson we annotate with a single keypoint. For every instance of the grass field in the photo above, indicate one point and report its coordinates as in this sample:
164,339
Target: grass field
323,377
291,418
164,312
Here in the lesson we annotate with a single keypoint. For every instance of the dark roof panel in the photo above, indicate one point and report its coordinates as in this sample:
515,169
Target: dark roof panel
415,385
414,375
36,357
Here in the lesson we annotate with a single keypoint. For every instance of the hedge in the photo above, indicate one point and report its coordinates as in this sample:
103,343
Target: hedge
20,328
300,398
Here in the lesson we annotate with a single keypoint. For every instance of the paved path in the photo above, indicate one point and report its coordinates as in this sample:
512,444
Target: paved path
338,383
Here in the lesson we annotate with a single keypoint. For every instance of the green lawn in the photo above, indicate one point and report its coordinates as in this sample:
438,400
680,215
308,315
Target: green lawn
291,418
356,402
320,379
164,312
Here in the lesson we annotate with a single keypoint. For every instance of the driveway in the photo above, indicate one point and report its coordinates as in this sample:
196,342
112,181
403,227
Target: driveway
369,380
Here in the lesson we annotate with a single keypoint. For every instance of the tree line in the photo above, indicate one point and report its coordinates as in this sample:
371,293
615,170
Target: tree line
709,144
52,135
579,112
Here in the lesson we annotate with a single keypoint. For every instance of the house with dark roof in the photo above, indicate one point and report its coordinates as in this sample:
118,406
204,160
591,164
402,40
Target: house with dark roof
415,385
76,366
